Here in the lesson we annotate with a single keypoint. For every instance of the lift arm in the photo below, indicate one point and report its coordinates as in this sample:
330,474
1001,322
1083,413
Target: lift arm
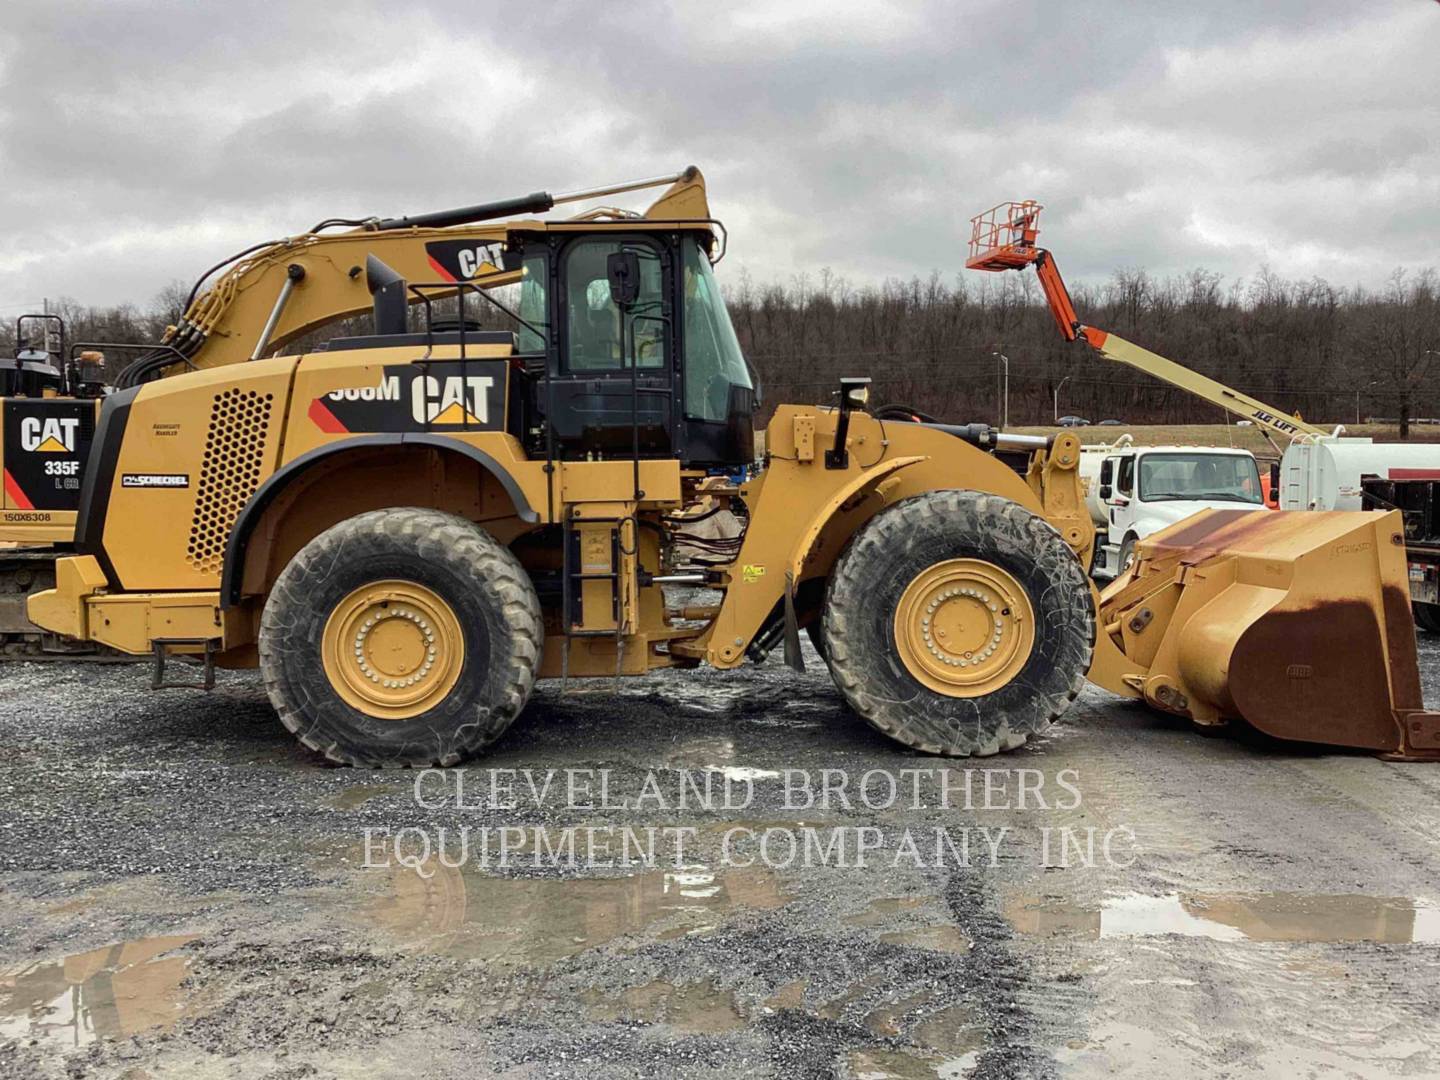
274,293
1003,238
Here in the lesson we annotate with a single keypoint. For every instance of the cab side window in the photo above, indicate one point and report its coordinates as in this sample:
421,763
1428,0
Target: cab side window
532,305
1126,483
594,322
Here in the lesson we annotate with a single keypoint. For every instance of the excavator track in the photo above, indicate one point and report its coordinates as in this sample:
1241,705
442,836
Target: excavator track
24,572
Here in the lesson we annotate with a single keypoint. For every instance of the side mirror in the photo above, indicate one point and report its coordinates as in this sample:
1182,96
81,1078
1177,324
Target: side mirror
1274,499
1107,470
1106,491
623,270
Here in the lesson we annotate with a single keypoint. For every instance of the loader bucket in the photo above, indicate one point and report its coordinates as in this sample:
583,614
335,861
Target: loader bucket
1297,622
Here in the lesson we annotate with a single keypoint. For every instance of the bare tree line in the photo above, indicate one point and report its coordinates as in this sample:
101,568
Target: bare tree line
1302,345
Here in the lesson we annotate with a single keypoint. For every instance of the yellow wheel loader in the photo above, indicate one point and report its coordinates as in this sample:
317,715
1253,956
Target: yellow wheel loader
405,529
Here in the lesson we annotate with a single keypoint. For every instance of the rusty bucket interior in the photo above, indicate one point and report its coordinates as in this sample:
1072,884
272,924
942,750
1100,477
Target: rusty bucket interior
1298,623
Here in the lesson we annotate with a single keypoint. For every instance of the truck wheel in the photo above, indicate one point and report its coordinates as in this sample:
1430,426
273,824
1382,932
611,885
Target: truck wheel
1127,555
1427,617
959,623
400,637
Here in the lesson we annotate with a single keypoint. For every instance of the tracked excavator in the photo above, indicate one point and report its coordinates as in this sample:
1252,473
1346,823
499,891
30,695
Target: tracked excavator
49,403
405,529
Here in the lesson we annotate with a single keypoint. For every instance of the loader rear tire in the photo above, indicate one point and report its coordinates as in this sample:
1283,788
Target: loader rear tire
401,637
1013,596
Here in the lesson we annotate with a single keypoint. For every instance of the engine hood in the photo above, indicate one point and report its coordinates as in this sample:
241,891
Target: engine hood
1153,516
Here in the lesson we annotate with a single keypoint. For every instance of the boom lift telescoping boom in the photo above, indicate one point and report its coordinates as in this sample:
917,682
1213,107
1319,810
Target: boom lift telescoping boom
1003,238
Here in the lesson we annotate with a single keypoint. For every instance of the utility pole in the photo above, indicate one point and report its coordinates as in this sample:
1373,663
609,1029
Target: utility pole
1061,383
1367,386
1005,393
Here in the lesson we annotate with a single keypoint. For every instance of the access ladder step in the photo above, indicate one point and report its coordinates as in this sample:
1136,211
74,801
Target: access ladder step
160,647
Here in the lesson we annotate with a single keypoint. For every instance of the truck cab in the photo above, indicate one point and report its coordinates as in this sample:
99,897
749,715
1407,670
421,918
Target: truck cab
1133,491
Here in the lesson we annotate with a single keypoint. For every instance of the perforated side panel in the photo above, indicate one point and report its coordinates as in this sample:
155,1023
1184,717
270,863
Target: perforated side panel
229,473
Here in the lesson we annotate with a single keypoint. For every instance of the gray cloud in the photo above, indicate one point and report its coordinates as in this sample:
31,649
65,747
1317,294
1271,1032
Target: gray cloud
140,142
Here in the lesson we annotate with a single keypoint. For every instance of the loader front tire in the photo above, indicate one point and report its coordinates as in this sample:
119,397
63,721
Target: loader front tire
400,637
959,623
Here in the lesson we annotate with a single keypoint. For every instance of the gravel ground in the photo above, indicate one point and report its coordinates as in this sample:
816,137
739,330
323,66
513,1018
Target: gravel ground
184,894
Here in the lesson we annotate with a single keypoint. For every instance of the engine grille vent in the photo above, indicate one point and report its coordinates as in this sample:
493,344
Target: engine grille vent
229,473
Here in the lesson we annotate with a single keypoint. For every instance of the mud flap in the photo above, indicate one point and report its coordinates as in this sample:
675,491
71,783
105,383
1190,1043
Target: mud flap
794,658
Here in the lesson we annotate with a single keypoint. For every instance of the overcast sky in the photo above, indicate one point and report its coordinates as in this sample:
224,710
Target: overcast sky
142,141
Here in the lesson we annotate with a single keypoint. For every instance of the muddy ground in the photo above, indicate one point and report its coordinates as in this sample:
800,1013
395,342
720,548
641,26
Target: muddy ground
183,893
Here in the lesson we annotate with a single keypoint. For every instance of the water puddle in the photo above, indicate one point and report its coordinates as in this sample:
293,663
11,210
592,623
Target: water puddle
888,1019
354,797
715,754
106,993
877,1064
538,921
835,1007
743,772
789,996
954,1032
882,911
881,1064
1232,917
697,1008
944,938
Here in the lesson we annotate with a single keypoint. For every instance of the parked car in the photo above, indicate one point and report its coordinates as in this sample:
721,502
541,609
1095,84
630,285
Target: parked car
1074,421
1112,423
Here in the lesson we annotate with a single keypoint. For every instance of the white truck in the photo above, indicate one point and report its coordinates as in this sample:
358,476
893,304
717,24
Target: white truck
1133,491
1324,473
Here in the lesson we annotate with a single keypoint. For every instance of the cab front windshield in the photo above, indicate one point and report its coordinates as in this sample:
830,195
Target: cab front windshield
1226,477
713,361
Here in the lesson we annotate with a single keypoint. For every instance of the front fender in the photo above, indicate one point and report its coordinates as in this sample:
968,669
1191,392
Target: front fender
862,483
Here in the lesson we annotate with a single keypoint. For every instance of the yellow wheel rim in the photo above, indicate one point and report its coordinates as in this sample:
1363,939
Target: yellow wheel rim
393,649
964,627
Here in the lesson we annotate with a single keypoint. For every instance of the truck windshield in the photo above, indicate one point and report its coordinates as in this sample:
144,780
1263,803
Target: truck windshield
1229,477
713,361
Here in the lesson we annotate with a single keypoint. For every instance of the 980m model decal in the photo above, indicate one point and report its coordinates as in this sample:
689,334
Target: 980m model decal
407,397
46,442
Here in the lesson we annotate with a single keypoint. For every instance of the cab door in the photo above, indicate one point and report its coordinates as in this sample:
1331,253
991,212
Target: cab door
1120,504
600,405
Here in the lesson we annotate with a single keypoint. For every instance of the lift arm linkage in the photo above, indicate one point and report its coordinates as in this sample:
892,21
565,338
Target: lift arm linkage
271,294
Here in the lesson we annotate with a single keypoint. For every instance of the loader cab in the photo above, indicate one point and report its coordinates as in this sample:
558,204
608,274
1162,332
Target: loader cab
660,368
